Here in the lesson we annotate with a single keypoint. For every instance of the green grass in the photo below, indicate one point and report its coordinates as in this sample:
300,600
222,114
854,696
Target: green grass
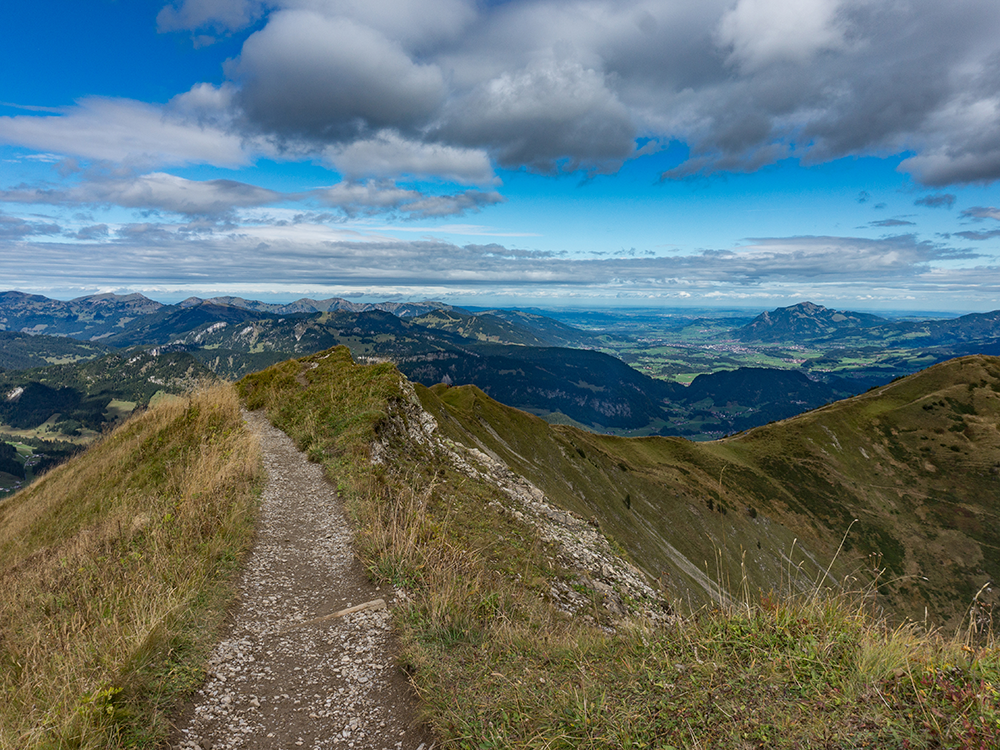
795,674
496,665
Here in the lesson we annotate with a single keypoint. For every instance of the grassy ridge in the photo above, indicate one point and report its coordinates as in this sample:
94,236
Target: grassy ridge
917,462
912,469
651,495
114,569
498,666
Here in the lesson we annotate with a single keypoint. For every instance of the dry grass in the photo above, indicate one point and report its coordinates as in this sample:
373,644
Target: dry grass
114,569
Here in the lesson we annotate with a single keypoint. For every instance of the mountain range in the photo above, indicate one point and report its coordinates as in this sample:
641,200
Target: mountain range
99,315
522,359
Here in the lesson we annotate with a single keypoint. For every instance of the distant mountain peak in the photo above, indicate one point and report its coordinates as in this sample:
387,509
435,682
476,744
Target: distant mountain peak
110,297
805,320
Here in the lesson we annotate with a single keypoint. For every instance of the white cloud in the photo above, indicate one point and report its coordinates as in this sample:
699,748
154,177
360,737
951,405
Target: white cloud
223,15
205,105
468,230
305,75
368,196
542,114
761,32
16,228
307,253
416,24
128,132
429,88
834,258
373,197
387,154
156,191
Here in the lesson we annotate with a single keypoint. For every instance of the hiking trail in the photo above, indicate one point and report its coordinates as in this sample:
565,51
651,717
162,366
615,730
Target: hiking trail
293,670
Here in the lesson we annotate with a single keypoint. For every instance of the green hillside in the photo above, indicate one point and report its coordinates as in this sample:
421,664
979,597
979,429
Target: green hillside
910,469
507,327
85,396
525,627
20,351
483,327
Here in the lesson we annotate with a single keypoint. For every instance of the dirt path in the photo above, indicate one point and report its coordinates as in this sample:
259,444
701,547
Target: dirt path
281,677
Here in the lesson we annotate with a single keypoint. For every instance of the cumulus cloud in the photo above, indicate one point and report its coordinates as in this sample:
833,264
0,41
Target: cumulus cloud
961,142
204,105
933,93
153,191
764,31
419,25
372,197
567,84
307,75
387,154
543,114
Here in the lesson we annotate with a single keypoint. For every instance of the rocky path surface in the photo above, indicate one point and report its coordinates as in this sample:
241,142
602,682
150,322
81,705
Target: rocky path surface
286,674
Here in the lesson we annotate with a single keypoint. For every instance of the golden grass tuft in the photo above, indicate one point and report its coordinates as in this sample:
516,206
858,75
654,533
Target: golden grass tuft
116,569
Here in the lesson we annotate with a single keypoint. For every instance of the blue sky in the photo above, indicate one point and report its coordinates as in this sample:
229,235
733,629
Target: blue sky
638,152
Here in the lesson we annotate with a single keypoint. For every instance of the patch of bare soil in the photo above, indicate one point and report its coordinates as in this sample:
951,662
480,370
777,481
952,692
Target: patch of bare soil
287,674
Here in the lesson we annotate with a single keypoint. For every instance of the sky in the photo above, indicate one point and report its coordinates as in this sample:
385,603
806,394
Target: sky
586,153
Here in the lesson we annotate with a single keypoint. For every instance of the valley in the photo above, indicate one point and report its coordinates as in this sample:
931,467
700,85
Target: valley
701,374
880,468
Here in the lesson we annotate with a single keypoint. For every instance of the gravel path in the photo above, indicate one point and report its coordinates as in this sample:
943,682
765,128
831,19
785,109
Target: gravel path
286,675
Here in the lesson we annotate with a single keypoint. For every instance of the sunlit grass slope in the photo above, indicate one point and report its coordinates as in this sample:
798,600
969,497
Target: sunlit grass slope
497,666
115,572
911,469
917,462
657,497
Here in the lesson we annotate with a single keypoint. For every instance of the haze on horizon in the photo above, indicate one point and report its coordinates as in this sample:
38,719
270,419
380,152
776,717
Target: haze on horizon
732,153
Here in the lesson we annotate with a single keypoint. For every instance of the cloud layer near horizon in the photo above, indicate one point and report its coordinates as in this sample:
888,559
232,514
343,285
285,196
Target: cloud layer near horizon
145,256
386,88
